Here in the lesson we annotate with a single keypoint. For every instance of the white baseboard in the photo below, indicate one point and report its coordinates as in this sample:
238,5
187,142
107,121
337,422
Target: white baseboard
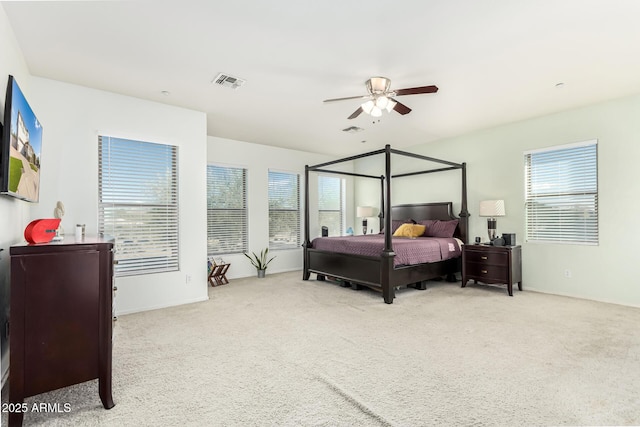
158,307
568,295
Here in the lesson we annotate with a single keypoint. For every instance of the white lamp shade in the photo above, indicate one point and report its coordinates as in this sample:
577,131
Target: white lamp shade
364,211
377,105
492,208
390,105
382,102
368,106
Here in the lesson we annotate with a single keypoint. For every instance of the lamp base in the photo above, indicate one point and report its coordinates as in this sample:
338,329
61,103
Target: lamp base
491,228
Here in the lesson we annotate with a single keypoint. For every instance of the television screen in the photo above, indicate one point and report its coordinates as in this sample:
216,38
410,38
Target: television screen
21,147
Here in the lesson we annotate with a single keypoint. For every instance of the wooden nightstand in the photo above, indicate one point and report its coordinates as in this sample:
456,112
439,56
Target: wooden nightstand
492,264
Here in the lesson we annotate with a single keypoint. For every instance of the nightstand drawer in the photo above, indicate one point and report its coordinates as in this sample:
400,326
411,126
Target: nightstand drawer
489,272
487,257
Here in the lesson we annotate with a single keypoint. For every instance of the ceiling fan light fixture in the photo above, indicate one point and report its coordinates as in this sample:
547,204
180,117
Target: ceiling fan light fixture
390,105
380,98
382,102
375,107
378,84
367,107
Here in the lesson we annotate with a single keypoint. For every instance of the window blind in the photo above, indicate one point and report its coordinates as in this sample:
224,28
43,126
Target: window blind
138,204
226,210
562,194
331,204
284,210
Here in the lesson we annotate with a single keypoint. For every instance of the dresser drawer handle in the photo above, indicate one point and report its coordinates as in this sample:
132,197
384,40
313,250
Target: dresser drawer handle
484,271
483,257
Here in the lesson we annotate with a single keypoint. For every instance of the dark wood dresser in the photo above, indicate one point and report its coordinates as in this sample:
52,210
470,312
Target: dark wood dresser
61,319
492,265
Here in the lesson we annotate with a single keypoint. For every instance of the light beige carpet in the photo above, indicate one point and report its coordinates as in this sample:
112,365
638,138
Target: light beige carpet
280,351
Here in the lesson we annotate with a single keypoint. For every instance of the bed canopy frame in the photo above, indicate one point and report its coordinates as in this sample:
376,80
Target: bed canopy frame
388,276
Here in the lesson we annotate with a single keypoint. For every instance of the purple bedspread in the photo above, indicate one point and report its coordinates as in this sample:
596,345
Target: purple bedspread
408,251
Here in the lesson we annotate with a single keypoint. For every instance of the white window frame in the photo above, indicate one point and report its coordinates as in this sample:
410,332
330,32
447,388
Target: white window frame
341,209
236,224
564,206
291,238
138,204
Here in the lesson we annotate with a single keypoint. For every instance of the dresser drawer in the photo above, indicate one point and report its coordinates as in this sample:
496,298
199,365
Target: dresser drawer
487,257
487,272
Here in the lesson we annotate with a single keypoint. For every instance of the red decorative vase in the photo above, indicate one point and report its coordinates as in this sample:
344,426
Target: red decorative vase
41,230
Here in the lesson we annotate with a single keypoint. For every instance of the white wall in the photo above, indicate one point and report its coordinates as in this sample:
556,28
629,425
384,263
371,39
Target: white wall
258,159
72,118
495,167
14,213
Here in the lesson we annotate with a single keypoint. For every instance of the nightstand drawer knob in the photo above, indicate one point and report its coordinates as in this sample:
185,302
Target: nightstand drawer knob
484,271
483,257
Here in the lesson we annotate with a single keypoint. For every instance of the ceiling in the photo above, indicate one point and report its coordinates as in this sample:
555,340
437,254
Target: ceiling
494,61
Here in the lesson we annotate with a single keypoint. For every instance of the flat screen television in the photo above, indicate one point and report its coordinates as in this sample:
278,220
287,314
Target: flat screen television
21,147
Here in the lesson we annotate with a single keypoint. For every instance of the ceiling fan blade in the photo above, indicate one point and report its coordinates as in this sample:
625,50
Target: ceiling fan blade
416,90
401,108
355,113
349,97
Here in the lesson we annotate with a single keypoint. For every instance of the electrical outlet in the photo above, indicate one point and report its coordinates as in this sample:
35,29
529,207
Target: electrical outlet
188,278
567,273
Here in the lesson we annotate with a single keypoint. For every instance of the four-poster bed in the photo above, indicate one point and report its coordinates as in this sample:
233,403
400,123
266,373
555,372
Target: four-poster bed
381,272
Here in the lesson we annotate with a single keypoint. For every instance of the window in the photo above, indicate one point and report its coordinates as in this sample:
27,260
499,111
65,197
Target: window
562,194
138,204
226,210
284,210
331,204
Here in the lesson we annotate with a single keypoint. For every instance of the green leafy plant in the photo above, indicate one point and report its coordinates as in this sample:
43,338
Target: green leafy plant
260,262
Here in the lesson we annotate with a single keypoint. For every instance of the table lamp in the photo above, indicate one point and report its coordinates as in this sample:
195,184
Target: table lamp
492,209
364,212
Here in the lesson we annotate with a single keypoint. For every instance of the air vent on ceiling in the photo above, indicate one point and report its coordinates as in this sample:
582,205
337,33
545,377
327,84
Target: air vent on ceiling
352,129
226,80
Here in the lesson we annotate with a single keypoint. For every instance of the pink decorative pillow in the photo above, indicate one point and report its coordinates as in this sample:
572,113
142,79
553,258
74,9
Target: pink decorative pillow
428,223
440,228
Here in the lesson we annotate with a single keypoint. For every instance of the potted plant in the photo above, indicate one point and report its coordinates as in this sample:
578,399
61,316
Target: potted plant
260,262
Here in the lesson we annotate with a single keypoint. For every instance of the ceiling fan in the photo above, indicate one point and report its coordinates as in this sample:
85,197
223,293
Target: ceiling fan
381,97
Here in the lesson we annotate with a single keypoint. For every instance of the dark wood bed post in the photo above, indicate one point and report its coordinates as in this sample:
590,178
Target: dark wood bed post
464,213
307,242
382,204
388,291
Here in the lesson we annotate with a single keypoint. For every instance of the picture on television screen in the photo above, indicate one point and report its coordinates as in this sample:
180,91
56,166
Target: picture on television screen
22,172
